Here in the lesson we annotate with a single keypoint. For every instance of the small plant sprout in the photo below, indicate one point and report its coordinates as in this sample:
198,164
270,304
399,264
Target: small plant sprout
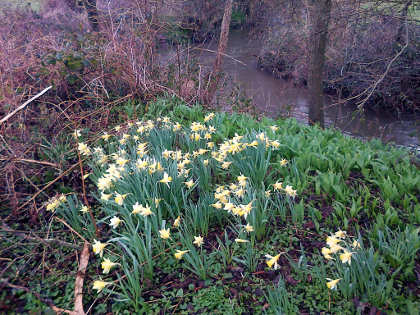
198,241
98,247
332,284
99,285
115,221
179,253
106,265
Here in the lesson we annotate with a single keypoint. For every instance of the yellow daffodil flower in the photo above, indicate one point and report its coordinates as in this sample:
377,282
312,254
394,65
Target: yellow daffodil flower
249,228
272,261
165,234
98,247
278,186
115,221
189,183
166,179
283,162
198,241
345,257
239,240
177,222
340,234
107,265
119,198
179,253
98,285
84,209
332,284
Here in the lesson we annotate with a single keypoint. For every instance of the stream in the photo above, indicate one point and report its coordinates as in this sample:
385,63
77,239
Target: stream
277,97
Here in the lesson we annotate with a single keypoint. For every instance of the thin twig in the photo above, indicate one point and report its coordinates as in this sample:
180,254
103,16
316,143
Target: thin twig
23,105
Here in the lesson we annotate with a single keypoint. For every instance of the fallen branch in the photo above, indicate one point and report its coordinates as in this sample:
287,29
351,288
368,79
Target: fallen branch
24,104
78,286
45,241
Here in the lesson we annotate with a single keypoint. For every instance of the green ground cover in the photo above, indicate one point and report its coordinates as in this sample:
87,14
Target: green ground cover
203,213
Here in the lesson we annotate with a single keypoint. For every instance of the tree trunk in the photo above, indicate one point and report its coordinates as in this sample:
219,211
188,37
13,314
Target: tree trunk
92,13
403,18
320,17
223,41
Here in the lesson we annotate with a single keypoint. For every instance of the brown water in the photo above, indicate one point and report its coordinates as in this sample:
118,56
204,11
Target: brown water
276,97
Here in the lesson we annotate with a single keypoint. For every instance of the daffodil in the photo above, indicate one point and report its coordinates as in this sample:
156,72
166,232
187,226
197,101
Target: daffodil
77,133
239,240
165,234
105,136
179,253
272,260
84,209
290,191
107,265
217,205
274,128
332,240
326,252
98,247
335,248
119,198
209,117
98,285
198,241
83,149
332,284
225,165
356,244
340,234
278,186
345,257
249,228
283,162
166,179
115,221
189,183
177,222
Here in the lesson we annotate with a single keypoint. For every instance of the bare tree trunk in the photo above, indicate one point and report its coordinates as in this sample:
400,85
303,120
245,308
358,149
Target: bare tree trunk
320,17
92,12
403,18
223,41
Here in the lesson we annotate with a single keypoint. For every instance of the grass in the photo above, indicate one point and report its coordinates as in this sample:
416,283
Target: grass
366,189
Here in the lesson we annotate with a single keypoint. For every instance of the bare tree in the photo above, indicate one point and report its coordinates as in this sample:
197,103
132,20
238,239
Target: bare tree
320,11
223,41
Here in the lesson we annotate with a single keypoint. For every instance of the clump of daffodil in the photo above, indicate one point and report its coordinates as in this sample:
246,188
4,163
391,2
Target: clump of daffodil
99,285
98,247
55,202
339,244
